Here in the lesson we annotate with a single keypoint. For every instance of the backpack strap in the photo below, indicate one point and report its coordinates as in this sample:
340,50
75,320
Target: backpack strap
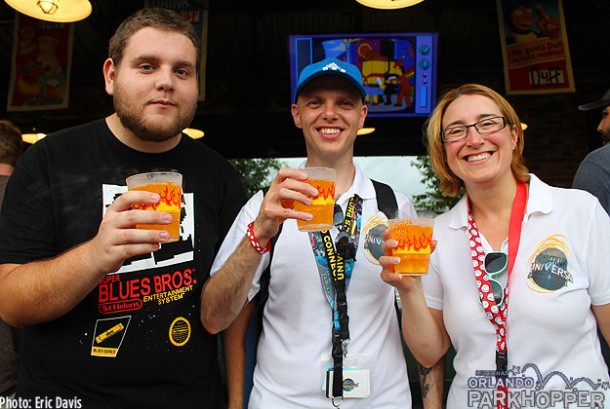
386,202
386,199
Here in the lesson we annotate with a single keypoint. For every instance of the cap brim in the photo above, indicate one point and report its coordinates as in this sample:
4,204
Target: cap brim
600,103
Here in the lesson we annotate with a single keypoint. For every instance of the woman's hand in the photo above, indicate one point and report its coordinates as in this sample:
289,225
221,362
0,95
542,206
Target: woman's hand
402,282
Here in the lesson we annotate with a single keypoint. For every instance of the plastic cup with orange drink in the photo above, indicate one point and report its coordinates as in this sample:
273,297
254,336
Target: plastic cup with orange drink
169,186
323,205
414,238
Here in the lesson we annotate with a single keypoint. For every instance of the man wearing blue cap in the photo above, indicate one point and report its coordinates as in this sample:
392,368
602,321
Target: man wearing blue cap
593,174
297,357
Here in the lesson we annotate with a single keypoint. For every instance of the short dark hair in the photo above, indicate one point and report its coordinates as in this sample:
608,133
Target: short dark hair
11,144
158,18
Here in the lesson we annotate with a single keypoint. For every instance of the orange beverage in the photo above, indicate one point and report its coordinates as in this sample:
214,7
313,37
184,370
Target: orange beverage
171,199
323,205
414,238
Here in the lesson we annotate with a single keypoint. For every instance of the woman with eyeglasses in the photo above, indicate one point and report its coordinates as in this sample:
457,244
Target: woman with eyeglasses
519,279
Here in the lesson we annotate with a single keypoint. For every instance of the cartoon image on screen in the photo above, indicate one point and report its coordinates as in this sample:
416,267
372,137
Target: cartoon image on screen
398,70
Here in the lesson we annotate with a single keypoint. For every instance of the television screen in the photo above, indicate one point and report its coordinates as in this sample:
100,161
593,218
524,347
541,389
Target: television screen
398,70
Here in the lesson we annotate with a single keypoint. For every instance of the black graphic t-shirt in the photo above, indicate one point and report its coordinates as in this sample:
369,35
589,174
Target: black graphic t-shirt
136,340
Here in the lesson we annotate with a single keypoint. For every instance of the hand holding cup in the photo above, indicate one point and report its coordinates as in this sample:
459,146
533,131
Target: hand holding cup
168,185
323,205
414,237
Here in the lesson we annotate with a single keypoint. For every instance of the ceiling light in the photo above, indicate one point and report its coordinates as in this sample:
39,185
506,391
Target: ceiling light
365,131
32,137
48,6
193,132
388,4
58,11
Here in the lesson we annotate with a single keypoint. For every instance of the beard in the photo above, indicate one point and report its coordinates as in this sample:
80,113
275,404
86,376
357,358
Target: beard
146,129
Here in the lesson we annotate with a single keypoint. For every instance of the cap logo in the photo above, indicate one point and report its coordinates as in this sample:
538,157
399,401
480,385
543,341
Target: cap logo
350,72
334,67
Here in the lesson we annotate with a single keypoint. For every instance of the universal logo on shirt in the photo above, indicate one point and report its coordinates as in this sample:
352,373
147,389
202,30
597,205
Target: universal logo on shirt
371,232
549,265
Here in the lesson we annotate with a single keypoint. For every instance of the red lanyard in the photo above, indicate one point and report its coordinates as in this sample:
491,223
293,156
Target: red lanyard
497,316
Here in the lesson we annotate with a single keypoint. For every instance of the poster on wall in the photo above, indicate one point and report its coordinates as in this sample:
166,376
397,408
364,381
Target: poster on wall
534,47
199,18
40,66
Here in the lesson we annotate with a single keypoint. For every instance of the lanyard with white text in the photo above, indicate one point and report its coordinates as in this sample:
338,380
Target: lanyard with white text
497,315
335,276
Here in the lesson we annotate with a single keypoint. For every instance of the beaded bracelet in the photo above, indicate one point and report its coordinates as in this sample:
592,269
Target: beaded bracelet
254,241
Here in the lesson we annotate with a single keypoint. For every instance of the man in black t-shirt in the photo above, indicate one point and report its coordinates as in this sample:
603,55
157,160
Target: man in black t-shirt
110,313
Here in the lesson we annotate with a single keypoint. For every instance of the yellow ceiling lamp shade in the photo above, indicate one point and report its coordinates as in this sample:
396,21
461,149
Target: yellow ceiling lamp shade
57,11
365,131
388,4
194,132
48,7
32,137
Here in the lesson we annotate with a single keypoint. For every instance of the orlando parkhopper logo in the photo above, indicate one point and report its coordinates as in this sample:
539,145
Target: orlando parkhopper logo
526,388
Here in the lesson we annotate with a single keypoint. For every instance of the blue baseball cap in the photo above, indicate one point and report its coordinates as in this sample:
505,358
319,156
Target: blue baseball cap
330,66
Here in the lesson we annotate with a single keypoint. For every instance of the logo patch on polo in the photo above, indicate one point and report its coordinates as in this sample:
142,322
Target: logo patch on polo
549,266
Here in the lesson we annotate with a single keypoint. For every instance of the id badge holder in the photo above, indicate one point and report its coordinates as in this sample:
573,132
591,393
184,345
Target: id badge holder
356,378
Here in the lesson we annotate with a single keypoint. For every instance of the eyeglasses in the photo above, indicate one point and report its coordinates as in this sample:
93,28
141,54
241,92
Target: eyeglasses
487,125
495,265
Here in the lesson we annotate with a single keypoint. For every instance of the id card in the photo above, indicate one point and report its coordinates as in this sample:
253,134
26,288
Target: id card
356,383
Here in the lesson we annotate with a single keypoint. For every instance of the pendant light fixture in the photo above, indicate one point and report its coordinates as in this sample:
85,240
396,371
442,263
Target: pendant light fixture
388,4
57,11
365,131
32,137
193,132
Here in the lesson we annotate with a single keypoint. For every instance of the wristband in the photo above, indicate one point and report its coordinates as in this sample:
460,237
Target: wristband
254,241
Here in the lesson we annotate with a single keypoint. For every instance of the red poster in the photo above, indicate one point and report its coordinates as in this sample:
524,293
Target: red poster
534,47
40,70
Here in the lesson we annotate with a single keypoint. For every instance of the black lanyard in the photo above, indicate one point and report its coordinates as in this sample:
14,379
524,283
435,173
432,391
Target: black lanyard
336,257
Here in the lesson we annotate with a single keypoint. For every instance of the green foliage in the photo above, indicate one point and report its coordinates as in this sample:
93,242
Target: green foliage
256,173
431,201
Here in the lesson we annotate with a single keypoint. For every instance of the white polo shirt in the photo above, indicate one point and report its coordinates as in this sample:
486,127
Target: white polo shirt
561,269
297,318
